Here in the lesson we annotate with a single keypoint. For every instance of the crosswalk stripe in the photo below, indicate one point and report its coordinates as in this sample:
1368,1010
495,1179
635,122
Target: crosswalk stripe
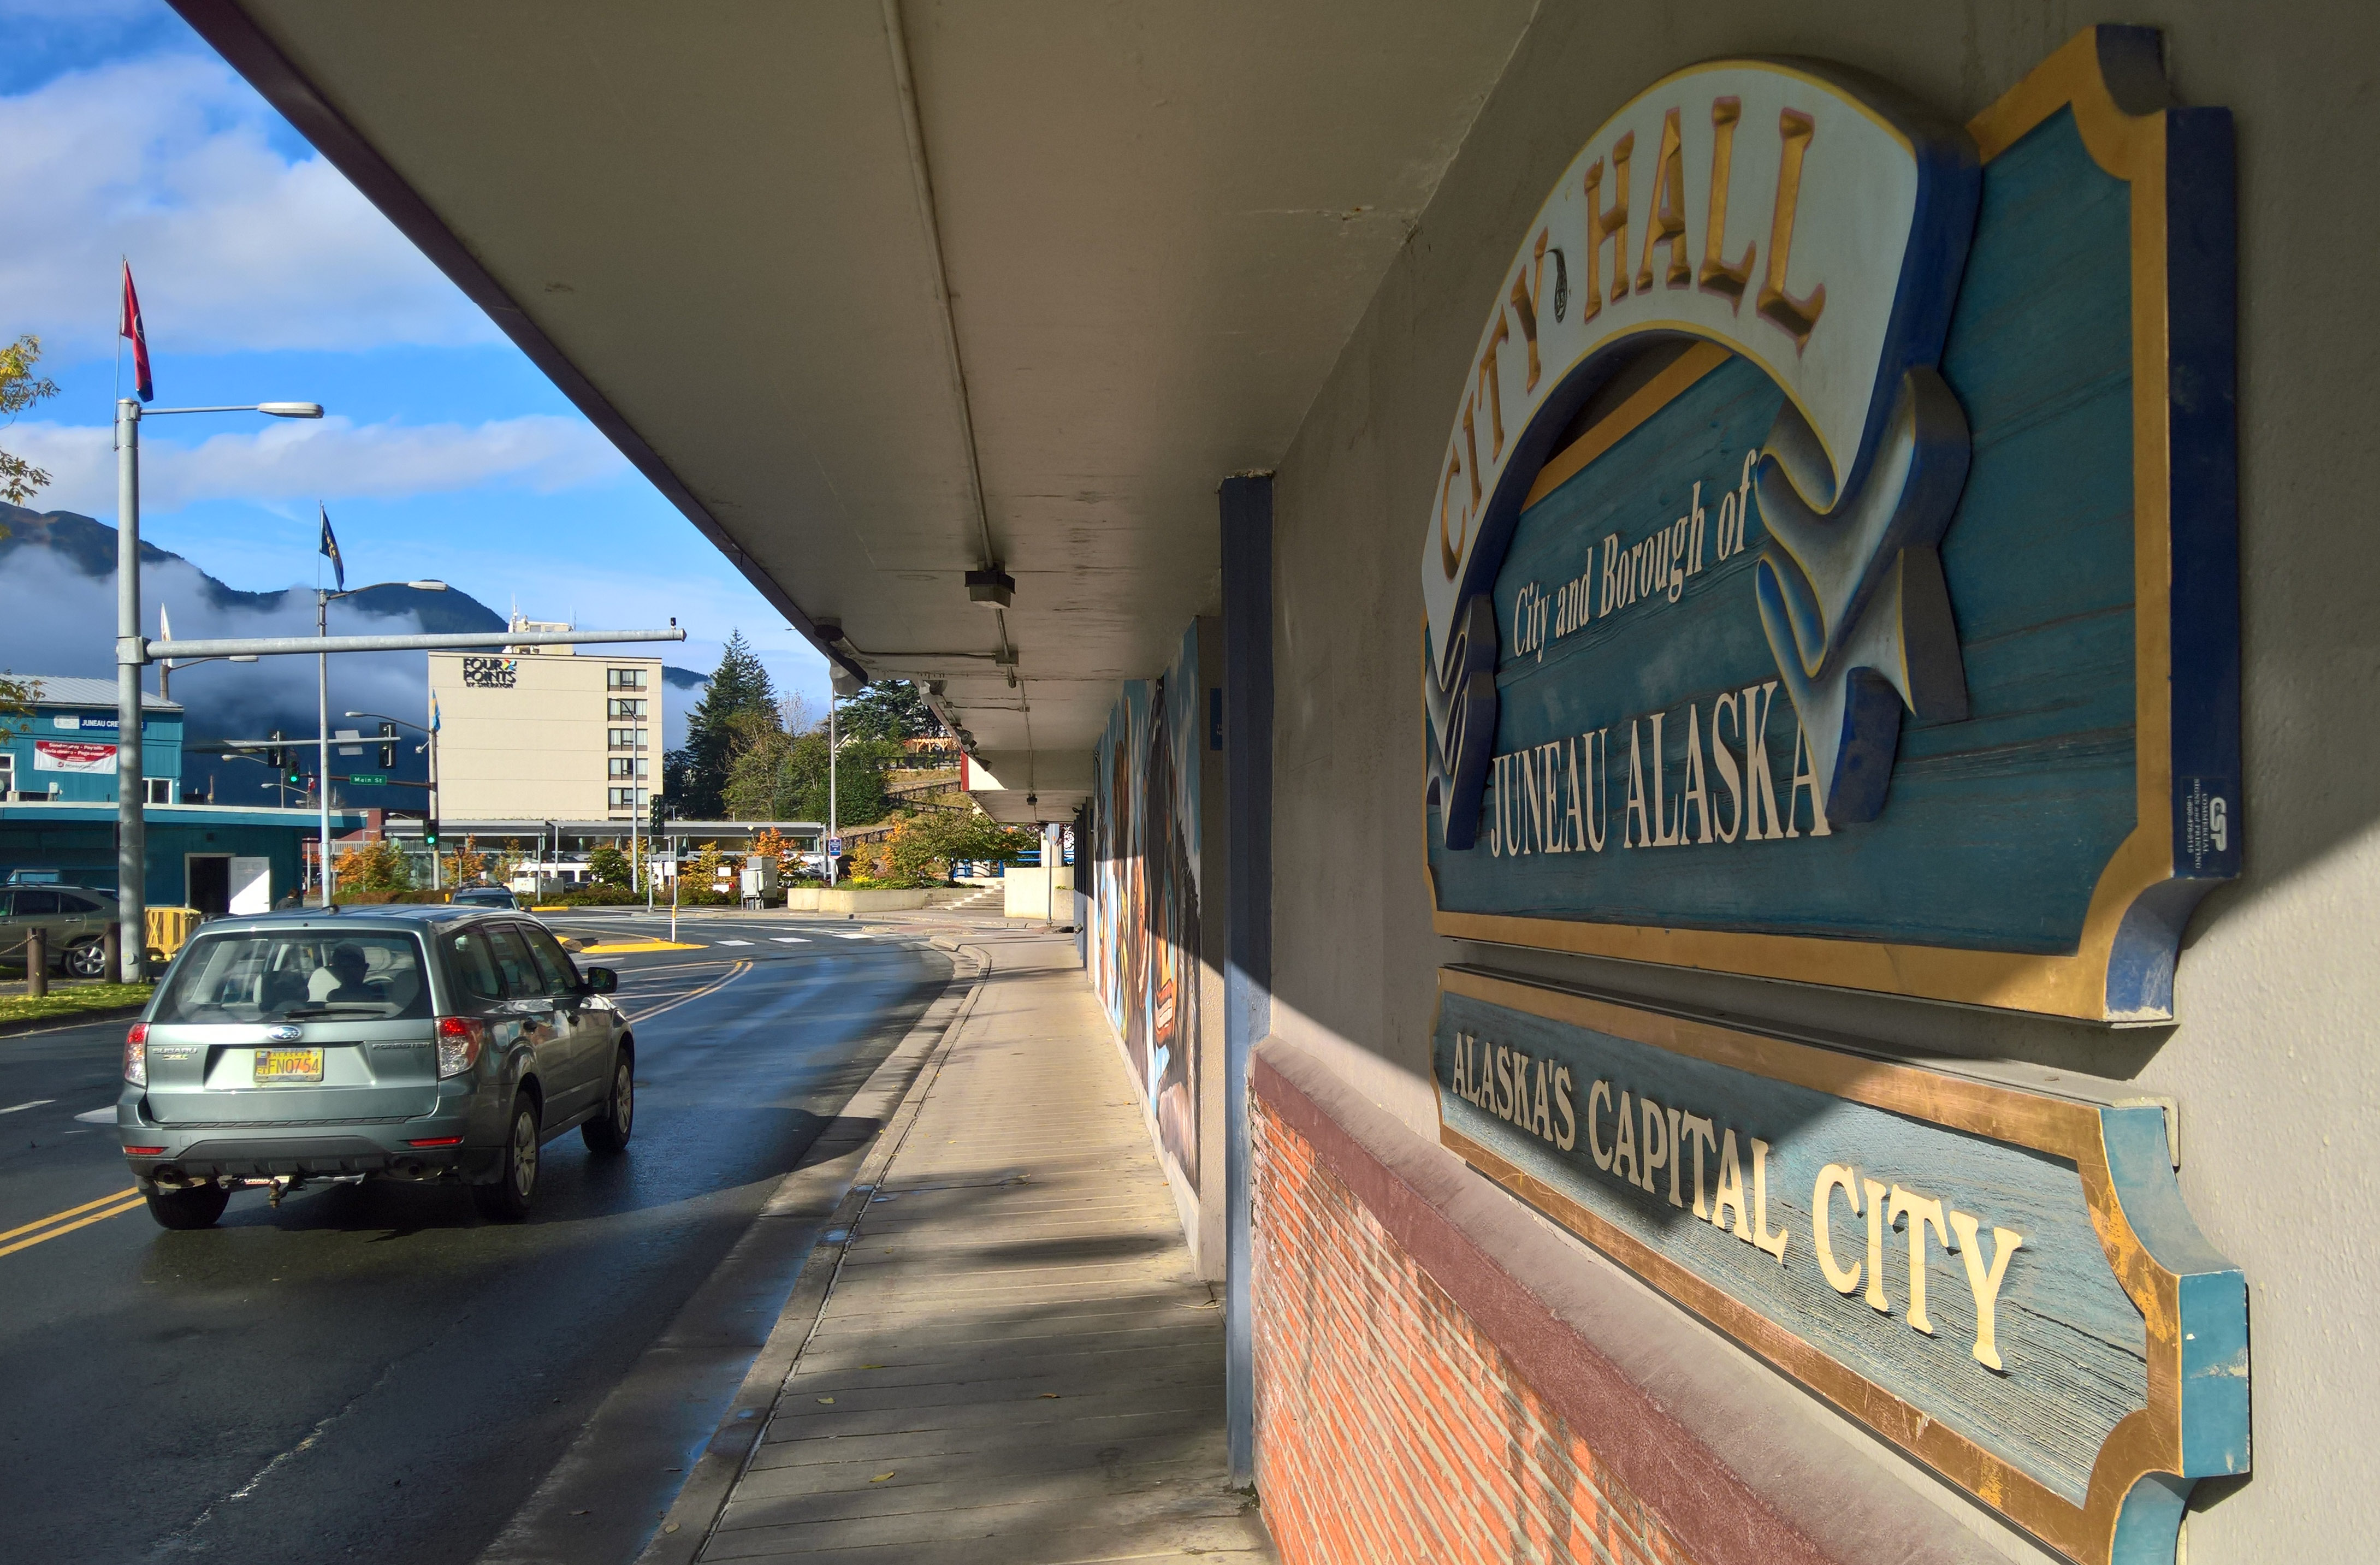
731,942
789,939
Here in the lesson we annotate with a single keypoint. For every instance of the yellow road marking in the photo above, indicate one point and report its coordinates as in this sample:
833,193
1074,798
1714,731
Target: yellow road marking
64,1227
55,1217
717,984
617,948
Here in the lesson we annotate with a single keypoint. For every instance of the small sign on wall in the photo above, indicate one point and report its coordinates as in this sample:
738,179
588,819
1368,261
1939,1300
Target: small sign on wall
2005,1283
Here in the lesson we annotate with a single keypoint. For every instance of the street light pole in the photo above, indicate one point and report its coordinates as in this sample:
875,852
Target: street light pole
834,762
131,796
131,652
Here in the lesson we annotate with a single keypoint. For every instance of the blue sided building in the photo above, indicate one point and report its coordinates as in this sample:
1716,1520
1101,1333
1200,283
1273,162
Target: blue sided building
57,808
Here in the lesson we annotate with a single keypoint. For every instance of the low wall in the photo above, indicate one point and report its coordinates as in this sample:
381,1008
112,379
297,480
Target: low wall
1442,1377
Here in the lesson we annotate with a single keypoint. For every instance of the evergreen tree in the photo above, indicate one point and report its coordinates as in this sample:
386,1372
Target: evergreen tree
739,686
889,709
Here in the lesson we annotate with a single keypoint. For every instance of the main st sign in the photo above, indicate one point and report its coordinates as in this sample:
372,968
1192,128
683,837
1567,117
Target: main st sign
1831,576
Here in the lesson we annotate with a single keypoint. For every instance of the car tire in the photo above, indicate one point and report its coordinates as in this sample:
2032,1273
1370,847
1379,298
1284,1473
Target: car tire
514,1189
608,1132
88,960
193,1206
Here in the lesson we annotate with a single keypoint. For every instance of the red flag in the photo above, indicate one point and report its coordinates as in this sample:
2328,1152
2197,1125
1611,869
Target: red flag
131,328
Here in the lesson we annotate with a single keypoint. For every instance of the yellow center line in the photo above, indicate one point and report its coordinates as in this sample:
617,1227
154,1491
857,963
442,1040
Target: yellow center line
60,1216
715,985
68,1228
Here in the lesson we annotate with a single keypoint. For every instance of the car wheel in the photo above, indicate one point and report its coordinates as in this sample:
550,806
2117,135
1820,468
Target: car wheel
514,1188
193,1206
608,1132
88,961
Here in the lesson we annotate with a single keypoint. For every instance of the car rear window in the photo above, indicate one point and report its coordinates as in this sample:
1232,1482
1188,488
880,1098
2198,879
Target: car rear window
257,975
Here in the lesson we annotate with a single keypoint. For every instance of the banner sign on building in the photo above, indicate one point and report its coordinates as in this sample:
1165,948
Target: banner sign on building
63,754
1831,574
2005,1283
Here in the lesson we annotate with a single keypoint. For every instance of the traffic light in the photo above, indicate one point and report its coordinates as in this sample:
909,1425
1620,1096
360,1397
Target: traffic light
277,756
388,746
429,831
655,830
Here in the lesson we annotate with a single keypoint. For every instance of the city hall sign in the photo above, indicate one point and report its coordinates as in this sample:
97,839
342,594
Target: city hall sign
1831,572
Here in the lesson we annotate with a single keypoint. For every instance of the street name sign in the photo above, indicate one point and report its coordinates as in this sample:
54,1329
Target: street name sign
2003,1282
1832,572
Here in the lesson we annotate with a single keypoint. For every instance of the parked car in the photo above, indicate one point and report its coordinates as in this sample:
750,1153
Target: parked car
404,1042
73,921
486,896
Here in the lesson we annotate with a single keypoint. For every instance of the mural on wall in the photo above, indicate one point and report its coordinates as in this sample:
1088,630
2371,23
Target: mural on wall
1144,886
1832,574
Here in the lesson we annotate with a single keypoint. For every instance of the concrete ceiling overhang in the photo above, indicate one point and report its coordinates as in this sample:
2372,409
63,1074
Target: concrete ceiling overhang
879,294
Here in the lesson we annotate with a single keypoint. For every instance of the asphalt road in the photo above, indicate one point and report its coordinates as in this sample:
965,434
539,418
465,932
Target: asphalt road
373,1373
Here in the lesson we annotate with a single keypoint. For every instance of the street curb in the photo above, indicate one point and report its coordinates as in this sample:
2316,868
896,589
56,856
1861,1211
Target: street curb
60,1024
695,1514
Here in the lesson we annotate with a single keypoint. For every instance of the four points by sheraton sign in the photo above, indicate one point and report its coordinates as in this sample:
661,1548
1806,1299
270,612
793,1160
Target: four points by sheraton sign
1831,573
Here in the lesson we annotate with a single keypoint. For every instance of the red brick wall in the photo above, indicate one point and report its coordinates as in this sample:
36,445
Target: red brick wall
1388,1427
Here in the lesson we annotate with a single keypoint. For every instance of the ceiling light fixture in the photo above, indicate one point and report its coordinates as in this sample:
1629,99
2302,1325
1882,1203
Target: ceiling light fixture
992,584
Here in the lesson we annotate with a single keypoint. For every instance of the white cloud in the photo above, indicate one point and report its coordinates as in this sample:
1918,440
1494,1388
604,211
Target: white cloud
166,160
330,459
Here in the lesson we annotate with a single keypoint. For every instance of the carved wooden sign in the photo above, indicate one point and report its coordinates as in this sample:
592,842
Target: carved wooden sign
2005,1283
1832,572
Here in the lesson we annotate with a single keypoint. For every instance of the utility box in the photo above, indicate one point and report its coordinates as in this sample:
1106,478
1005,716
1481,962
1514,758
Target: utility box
759,880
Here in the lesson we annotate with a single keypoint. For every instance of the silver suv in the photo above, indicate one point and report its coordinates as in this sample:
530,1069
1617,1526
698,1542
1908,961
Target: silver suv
413,1043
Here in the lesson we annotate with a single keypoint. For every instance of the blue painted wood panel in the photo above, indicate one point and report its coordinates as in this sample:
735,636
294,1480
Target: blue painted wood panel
1996,827
2073,1344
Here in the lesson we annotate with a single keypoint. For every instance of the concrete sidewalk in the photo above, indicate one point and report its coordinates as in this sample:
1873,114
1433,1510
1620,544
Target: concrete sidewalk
1012,1361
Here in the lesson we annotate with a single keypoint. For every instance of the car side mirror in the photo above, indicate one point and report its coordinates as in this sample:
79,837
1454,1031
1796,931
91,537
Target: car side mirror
601,981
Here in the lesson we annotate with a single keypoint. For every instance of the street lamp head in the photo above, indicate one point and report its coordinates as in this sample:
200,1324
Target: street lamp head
291,409
241,658
427,586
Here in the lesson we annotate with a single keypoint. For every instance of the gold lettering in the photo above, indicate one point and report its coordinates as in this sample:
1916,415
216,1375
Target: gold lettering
1655,1151
1731,1189
1527,288
1717,276
1450,547
1796,317
1494,389
1674,1158
1611,223
1985,1285
1725,759
1565,1138
1920,1210
1600,1093
1666,224
1623,1147
1842,1279
1772,1242
1698,1131
1809,779
1875,1299
1697,791
1541,1119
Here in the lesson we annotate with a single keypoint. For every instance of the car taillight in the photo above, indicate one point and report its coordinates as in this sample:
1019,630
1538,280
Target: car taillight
459,1042
136,1054
144,1151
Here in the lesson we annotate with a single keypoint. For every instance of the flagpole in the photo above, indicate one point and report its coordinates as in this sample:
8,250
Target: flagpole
323,722
132,822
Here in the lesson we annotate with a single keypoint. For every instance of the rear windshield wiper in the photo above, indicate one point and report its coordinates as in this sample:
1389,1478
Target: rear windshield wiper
321,1008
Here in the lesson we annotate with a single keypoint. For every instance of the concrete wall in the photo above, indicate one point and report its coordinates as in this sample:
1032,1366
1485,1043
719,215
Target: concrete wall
2277,985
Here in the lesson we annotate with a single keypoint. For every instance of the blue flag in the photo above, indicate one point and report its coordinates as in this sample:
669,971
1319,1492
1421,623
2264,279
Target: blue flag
331,548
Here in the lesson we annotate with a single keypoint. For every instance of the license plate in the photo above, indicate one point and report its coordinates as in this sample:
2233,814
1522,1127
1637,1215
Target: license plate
288,1064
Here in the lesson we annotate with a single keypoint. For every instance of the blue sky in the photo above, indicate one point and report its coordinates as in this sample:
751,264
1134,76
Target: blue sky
264,276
